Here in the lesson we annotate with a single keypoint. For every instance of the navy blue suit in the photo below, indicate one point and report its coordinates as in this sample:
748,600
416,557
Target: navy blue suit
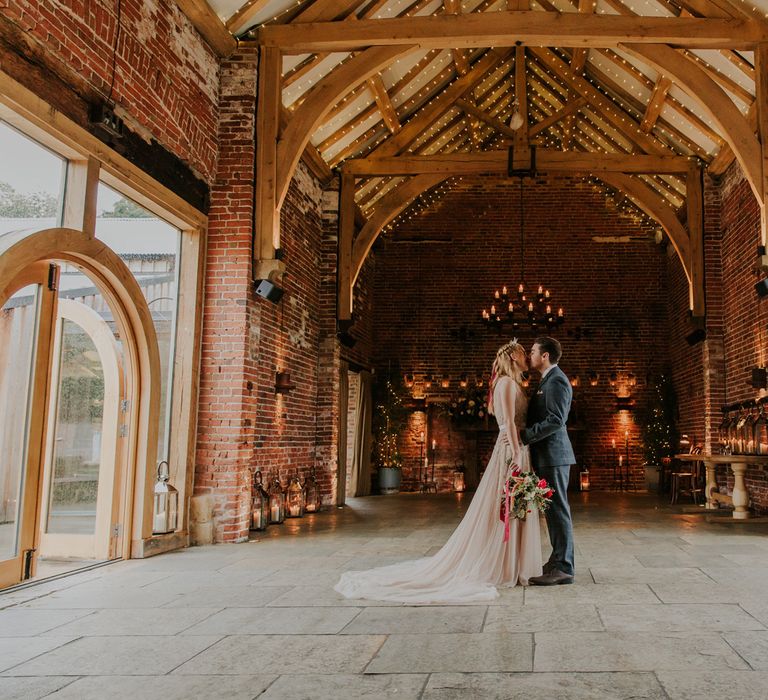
551,457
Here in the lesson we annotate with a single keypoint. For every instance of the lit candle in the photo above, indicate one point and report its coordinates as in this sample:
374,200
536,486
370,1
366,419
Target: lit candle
520,288
257,519
511,307
546,294
504,290
295,510
541,289
275,512
549,309
496,294
421,436
493,310
530,307
434,444
613,443
621,458
560,312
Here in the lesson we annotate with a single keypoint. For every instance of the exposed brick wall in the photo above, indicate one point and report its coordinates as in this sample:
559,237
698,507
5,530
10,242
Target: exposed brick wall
243,425
746,316
615,297
166,77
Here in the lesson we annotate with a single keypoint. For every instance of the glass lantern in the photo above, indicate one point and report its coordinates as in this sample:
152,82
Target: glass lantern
311,493
459,485
166,509
749,432
276,502
584,480
760,429
295,503
259,504
741,432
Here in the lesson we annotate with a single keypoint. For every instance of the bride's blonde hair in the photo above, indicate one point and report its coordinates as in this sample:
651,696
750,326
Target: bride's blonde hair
509,362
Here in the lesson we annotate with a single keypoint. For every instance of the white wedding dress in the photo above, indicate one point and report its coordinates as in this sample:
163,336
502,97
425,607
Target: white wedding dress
475,559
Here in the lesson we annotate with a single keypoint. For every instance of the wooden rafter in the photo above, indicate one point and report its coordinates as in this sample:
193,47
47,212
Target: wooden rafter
388,113
655,104
242,19
622,121
578,62
438,106
521,97
504,28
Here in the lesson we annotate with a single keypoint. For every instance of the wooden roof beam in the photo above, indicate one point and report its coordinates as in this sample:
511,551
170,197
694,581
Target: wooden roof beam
207,22
578,62
655,104
506,28
497,162
384,103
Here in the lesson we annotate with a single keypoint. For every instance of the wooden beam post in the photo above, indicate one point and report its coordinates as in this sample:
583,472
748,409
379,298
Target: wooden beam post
80,196
346,238
655,104
695,220
761,89
267,213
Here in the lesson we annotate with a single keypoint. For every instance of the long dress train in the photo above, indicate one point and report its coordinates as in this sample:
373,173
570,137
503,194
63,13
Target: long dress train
475,559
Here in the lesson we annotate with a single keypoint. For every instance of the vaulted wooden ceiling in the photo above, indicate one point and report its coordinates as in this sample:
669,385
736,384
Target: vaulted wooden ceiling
400,93
581,99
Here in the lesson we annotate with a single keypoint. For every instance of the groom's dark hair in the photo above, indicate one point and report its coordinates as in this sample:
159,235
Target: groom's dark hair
550,345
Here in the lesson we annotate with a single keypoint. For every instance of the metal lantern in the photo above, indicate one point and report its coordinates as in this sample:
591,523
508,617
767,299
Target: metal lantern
459,486
166,513
259,504
584,480
312,501
276,502
295,503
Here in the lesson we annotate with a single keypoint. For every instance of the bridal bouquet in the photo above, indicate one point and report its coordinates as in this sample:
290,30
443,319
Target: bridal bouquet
523,491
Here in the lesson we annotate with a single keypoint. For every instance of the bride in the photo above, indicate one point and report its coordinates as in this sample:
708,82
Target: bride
475,559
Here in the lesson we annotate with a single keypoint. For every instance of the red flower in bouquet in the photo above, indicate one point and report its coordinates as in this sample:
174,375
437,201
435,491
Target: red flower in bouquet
523,491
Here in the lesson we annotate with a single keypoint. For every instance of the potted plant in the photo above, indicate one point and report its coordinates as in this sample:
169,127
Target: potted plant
389,420
659,429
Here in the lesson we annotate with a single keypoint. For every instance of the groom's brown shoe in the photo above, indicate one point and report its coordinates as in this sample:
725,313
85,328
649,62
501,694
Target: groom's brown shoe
554,577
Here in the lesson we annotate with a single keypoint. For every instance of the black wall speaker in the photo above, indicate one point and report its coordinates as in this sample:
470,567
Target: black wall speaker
268,290
762,288
696,336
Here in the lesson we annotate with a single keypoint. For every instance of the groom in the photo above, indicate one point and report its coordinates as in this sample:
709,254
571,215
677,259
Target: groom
552,455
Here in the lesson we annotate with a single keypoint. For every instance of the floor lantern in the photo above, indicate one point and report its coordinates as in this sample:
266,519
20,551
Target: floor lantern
312,501
584,480
166,509
259,504
276,502
295,501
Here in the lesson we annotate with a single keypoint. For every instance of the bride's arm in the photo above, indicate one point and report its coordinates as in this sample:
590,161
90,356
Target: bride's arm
508,391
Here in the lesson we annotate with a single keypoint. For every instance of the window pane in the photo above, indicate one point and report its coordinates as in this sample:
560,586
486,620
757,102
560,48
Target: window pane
31,183
150,247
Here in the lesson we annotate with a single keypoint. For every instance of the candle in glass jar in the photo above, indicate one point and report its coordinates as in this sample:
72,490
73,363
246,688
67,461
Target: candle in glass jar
257,519
275,512
295,511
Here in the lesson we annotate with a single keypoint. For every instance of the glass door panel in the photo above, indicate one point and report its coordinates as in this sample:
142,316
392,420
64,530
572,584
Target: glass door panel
77,430
18,329
26,321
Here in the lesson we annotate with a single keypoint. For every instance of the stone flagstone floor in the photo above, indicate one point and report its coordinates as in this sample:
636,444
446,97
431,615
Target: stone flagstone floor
666,605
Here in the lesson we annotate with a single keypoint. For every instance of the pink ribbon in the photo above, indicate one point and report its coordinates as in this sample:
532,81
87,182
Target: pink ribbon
506,510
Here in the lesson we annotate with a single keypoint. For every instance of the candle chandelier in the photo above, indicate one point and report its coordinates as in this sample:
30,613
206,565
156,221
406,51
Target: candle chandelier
520,308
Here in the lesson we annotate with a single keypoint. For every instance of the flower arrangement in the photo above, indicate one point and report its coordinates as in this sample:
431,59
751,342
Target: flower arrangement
523,491
471,406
